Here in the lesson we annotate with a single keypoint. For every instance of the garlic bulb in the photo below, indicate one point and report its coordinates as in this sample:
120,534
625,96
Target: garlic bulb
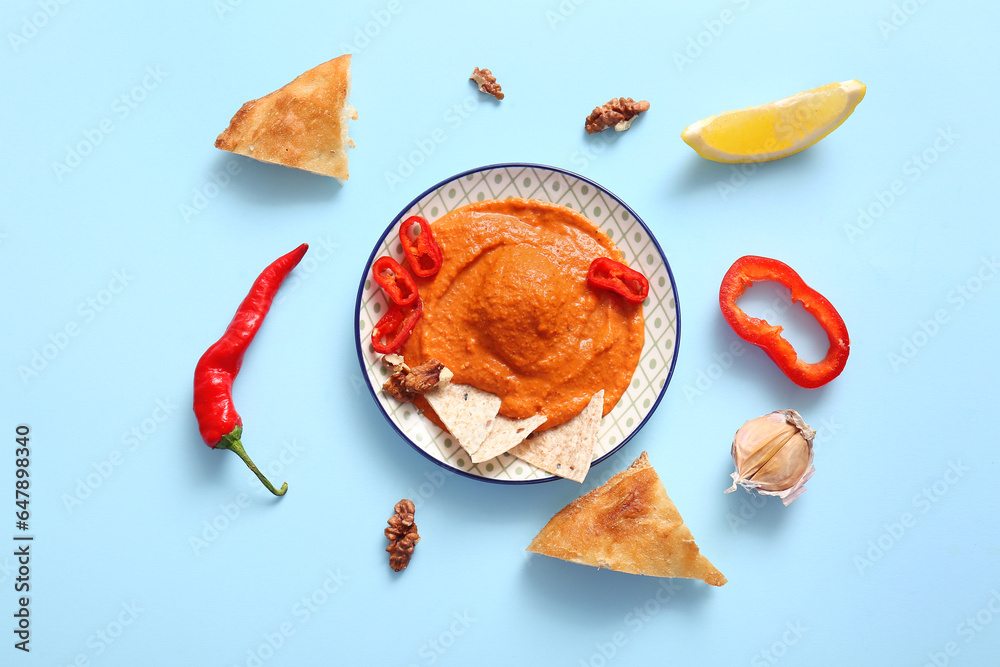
773,454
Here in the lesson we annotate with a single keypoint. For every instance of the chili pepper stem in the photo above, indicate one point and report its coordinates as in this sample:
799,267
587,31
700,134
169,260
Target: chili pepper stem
231,441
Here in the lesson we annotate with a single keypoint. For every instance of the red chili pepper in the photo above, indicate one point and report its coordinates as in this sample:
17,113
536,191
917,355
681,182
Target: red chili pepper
422,251
395,280
608,274
220,425
752,269
395,326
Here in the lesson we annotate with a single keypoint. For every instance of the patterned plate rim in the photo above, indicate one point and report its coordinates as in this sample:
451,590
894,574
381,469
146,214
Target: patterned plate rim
437,186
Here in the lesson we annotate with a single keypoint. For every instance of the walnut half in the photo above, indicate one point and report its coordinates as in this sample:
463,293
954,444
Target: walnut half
402,534
487,82
405,383
395,386
617,113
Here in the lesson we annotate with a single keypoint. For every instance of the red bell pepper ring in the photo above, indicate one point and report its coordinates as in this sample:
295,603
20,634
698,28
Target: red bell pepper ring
751,269
421,249
395,327
395,281
608,274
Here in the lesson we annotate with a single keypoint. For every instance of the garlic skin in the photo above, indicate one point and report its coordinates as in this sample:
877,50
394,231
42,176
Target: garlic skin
773,455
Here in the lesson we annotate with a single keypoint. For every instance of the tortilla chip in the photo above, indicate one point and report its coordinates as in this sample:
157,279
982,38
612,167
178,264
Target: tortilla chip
629,525
567,449
504,436
468,412
301,125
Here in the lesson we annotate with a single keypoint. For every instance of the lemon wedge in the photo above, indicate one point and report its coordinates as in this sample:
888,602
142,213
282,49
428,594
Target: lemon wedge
776,129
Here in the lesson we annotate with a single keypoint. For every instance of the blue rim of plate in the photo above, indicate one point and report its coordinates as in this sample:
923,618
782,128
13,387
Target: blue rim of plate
509,165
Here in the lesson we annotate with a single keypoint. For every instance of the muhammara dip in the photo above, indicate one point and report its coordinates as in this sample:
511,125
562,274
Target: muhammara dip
510,311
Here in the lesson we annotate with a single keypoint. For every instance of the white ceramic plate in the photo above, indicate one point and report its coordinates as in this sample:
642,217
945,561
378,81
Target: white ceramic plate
661,311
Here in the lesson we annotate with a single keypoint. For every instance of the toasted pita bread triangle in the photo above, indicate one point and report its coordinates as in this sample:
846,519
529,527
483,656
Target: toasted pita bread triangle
630,525
468,412
505,434
567,449
301,125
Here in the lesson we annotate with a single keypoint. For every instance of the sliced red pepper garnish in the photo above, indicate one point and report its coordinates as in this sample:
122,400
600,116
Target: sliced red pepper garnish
421,250
395,327
608,274
751,269
395,280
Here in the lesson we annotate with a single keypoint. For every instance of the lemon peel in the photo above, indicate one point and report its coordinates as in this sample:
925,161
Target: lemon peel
776,129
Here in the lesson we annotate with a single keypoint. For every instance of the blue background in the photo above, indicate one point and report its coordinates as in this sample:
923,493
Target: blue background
888,558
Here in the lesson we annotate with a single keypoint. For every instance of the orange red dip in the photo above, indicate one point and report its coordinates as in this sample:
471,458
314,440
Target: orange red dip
510,311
